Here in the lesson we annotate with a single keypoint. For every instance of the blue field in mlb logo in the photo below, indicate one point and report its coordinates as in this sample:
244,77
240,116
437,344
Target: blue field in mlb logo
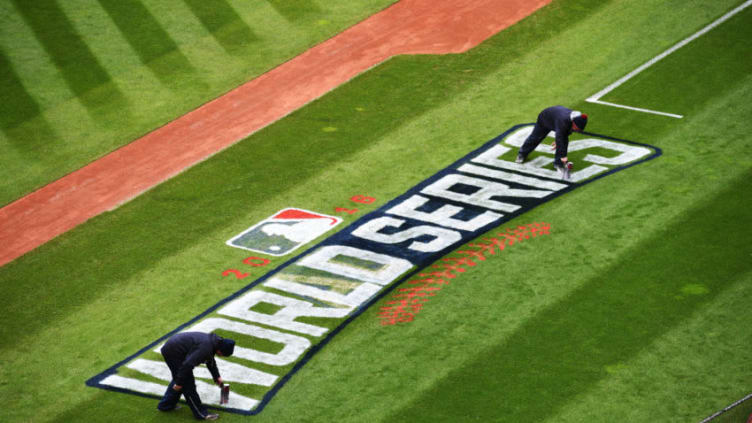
284,231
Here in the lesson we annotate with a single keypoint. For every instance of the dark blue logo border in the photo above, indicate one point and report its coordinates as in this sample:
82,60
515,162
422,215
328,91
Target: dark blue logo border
344,237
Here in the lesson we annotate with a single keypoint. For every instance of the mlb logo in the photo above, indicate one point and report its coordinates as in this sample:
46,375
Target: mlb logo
284,232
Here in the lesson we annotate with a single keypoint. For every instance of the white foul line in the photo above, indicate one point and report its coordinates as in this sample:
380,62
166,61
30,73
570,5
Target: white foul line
638,109
595,98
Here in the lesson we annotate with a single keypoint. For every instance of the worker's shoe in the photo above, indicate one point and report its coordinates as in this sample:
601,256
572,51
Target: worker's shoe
520,159
564,169
211,417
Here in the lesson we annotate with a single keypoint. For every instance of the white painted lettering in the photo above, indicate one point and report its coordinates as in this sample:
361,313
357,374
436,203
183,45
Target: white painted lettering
285,317
387,268
628,153
231,372
482,197
209,393
354,298
294,345
442,237
511,177
443,216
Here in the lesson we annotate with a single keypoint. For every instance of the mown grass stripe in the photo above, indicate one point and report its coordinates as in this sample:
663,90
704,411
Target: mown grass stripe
565,349
148,39
80,292
660,88
223,22
16,110
73,58
595,97
17,105
294,10
140,98
140,28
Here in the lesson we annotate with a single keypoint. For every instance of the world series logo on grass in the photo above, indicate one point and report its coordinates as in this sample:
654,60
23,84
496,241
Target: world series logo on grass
281,320
284,232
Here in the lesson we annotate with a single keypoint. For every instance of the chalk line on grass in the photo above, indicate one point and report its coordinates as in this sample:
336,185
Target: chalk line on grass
596,98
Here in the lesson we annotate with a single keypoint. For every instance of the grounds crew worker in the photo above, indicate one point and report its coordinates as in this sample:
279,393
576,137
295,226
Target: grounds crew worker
182,353
562,121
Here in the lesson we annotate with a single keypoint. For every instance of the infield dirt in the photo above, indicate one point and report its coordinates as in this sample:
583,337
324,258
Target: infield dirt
407,27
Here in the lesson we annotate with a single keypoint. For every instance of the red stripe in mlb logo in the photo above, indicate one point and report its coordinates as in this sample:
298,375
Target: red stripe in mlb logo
284,232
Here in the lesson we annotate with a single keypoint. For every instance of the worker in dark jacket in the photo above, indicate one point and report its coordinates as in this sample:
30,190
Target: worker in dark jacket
182,353
562,121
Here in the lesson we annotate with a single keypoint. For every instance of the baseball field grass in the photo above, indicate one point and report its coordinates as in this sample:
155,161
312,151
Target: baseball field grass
634,308
85,77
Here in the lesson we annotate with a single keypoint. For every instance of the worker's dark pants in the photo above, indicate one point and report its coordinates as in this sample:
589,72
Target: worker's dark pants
171,396
535,138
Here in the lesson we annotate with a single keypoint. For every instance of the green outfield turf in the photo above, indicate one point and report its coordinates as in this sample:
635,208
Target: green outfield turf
635,307
84,77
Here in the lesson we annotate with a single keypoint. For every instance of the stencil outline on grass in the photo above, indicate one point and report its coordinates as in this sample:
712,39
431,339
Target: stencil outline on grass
342,276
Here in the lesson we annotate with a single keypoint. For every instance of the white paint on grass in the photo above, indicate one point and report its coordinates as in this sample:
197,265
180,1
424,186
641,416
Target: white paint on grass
348,277
596,98
209,393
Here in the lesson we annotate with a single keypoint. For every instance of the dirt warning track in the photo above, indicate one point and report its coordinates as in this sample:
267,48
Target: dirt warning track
407,27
